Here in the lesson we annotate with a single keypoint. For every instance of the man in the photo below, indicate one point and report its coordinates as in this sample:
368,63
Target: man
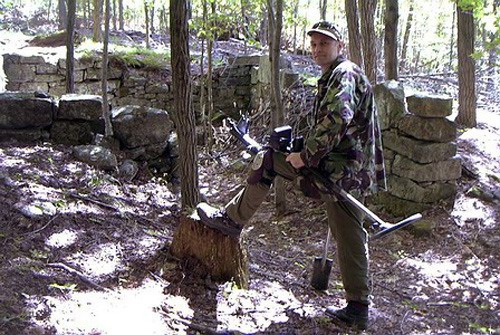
344,144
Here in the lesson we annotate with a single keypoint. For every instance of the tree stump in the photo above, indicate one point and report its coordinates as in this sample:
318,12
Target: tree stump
224,258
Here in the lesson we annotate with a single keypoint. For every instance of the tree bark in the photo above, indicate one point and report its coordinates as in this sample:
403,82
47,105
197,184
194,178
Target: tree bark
108,128
367,12
49,9
322,9
466,68
114,15
493,55
295,18
275,10
210,93
391,39
121,21
70,47
354,47
183,115
146,17
452,40
406,38
63,14
97,36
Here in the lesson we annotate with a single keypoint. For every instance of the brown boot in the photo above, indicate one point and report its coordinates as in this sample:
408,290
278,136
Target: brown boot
354,314
218,219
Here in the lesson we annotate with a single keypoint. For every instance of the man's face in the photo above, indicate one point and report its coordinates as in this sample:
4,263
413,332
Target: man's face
324,50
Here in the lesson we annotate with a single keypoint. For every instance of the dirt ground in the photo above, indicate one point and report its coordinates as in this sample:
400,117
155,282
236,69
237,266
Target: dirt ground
83,252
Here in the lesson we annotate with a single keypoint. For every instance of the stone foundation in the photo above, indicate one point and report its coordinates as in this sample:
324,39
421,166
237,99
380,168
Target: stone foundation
419,140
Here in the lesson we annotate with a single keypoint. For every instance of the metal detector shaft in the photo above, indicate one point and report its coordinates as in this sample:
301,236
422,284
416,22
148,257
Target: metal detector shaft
240,131
334,188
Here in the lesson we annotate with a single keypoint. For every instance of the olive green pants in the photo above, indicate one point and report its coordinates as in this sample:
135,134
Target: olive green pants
345,222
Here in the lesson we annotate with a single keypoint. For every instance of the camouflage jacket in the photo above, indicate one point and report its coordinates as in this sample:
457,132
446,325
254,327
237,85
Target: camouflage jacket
344,141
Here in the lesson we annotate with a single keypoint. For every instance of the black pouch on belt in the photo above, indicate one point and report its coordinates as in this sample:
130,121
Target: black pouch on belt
262,168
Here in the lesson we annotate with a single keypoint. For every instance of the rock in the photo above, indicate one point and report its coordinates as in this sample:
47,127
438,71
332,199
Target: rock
23,110
437,171
423,227
428,129
80,107
137,126
418,150
128,170
396,206
426,105
409,190
390,99
97,156
71,132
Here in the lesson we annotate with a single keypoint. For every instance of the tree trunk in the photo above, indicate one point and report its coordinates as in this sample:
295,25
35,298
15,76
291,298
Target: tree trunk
121,21
108,128
242,24
466,67
49,8
305,30
97,36
391,39
90,12
114,15
355,49
163,20
406,38
367,12
295,18
275,10
452,40
322,9
63,14
206,102
152,18
217,255
70,47
203,77
84,10
210,93
493,55
183,115
264,26
146,17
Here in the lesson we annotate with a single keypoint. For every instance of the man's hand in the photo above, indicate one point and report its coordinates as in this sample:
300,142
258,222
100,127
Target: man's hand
295,159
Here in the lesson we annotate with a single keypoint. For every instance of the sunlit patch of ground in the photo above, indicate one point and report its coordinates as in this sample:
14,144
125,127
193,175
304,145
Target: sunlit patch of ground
105,259
127,311
115,312
250,311
469,209
62,239
450,277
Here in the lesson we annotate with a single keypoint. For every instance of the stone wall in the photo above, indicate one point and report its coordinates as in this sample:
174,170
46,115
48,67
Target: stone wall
420,152
419,148
238,87
139,133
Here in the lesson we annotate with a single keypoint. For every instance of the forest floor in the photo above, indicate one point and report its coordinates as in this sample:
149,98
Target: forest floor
85,252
